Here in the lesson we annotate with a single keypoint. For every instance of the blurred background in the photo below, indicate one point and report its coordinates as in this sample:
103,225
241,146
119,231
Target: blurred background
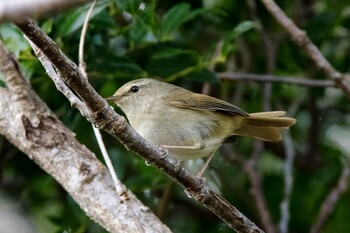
222,48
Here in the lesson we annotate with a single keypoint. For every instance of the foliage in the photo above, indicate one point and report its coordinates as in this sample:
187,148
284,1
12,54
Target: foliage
186,43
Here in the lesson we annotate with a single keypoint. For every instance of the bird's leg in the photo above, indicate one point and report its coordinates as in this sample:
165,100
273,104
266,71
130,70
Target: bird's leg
189,191
198,146
200,173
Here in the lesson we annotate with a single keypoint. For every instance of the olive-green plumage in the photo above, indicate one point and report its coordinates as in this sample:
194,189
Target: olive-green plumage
191,125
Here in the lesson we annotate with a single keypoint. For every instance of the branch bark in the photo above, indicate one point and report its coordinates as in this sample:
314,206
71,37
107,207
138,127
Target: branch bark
102,116
17,9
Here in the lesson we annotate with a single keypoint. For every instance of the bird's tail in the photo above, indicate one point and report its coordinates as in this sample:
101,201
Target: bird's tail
266,126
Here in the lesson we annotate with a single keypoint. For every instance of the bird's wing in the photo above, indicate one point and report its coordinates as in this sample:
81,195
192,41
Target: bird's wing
204,102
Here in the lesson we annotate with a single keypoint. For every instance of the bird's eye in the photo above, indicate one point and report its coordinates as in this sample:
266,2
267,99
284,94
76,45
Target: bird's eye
134,89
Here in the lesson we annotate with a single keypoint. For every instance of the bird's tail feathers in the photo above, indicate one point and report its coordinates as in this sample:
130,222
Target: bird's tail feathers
266,126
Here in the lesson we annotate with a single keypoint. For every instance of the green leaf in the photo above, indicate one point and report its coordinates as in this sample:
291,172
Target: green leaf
13,39
47,26
117,66
175,17
140,30
203,75
144,25
172,60
171,52
75,19
242,28
237,31
130,6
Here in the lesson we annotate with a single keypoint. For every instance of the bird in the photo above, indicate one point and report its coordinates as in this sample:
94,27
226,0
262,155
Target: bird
191,125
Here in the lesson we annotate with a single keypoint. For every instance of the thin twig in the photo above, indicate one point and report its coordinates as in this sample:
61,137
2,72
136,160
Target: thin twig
256,189
249,167
288,168
331,200
270,53
279,79
164,203
82,64
288,182
301,39
119,187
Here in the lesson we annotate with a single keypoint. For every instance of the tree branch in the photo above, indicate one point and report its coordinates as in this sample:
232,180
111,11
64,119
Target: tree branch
17,9
101,115
270,49
301,39
280,79
288,177
331,200
288,183
249,166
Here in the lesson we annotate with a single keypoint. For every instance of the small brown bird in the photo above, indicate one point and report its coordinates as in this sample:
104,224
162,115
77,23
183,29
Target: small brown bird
188,124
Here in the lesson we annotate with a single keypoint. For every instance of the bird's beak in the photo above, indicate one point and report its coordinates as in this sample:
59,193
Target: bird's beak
114,98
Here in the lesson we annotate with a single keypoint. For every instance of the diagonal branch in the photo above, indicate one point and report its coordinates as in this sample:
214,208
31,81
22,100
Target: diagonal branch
102,116
301,39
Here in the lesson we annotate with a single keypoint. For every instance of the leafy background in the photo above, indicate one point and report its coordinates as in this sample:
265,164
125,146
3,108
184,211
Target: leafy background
188,43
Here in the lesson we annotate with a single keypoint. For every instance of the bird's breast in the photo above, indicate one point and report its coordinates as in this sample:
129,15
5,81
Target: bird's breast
178,127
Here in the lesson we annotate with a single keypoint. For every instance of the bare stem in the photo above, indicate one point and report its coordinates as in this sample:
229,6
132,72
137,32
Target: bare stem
301,39
331,200
119,188
288,183
278,79
82,64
